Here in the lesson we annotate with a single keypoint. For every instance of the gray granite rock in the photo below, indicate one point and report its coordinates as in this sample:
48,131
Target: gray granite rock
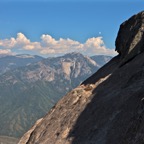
130,38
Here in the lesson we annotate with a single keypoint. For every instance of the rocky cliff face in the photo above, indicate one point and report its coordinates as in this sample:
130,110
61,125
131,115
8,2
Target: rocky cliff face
129,41
107,108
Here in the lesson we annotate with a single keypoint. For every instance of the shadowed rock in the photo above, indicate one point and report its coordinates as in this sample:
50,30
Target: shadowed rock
130,39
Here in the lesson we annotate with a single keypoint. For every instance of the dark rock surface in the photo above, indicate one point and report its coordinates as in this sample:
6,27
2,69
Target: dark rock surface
107,108
130,39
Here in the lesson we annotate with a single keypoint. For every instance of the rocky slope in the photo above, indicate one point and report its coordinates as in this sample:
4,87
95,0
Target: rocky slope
107,108
27,93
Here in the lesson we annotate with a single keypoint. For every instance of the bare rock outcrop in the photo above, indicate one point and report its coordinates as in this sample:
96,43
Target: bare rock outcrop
107,108
130,39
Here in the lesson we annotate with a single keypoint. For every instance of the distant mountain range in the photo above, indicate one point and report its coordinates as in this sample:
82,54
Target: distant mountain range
9,62
31,85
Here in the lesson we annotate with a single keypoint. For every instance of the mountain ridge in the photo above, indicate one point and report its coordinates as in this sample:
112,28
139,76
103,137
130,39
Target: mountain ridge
10,62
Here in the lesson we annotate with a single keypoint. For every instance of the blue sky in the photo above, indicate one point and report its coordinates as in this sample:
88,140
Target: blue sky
55,27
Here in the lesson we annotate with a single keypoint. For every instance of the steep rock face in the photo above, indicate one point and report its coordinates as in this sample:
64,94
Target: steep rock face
107,108
129,41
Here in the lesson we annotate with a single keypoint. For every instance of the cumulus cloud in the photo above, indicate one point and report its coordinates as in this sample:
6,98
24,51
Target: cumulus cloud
7,51
50,46
8,43
97,46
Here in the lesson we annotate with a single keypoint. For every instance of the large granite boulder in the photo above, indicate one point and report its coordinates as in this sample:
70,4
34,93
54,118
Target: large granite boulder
130,38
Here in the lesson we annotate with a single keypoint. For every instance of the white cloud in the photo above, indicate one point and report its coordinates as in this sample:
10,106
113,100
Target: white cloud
96,46
48,40
7,51
21,39
50,46
8,43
